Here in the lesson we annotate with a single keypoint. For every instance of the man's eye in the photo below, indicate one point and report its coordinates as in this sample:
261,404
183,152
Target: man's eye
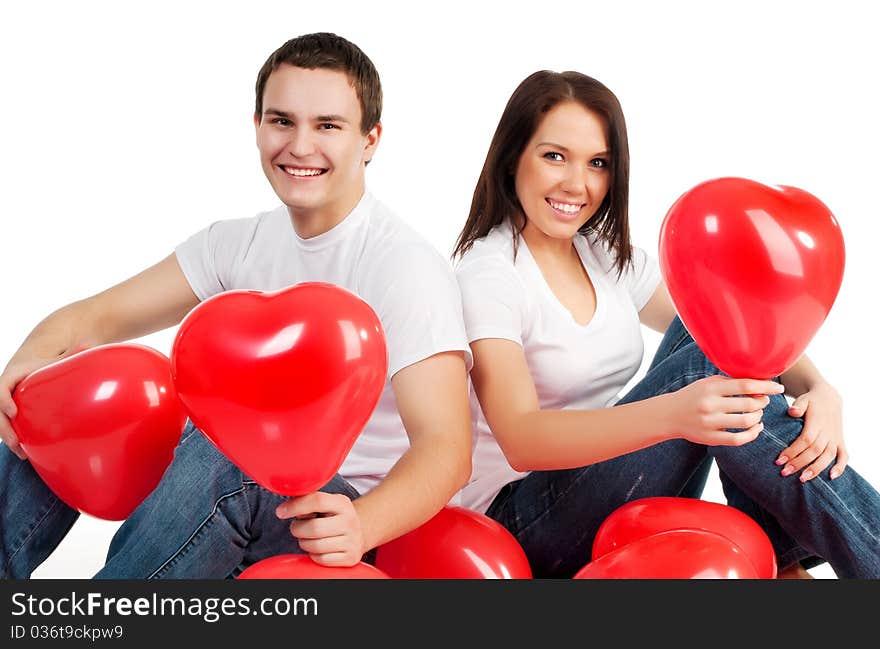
554,155
326,126
281,121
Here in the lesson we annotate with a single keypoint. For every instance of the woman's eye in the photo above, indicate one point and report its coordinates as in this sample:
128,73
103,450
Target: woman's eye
599,163
554,155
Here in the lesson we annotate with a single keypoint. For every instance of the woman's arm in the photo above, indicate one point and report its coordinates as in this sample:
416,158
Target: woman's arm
536,439
659,311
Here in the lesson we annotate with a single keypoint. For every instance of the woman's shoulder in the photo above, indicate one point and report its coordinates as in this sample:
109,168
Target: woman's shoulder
493,249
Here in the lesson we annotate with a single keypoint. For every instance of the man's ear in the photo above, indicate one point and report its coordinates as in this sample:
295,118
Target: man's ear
373,138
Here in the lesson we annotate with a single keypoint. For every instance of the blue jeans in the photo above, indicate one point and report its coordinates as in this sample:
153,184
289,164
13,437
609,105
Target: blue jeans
555,514
205,519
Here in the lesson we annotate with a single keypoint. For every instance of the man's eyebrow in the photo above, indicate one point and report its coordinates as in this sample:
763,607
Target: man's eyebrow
318,118
275,111
331,118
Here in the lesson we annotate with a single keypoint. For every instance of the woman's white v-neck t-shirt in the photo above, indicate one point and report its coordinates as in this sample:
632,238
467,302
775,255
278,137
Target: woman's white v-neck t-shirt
573,366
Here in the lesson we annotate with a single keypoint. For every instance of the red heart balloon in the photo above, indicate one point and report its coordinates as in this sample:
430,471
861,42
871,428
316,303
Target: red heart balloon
100,426
647,516
675,554
301,566
282,383
456,543
753,271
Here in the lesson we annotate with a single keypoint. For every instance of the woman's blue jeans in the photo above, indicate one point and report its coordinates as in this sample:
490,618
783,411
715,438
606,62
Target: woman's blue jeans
555,514
206,519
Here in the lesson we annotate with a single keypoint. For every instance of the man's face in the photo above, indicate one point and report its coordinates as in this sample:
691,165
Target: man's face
310,141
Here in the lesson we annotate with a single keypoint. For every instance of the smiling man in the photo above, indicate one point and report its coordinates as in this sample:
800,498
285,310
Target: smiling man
317,120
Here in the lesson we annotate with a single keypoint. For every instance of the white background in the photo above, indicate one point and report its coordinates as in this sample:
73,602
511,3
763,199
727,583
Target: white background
126,127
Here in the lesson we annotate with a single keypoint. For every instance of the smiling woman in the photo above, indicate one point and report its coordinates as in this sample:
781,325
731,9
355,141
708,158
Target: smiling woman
553,295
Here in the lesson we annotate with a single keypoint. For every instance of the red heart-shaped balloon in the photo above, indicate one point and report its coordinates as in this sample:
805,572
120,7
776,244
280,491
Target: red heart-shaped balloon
456,543
283,382
301,566
674,554
647,516
753,271
100,427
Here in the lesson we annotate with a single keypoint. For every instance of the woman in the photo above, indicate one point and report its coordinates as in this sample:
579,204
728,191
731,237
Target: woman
554,294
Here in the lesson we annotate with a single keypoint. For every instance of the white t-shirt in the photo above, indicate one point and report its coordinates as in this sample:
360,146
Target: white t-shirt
573,366
371,253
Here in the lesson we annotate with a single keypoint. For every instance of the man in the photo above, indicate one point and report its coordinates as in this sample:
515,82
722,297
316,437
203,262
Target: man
317,120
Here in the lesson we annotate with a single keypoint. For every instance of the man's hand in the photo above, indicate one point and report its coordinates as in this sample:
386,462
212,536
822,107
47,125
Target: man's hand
14,373
327,527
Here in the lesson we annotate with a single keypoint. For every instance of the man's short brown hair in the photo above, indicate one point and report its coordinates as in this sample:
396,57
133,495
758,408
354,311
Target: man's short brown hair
331,52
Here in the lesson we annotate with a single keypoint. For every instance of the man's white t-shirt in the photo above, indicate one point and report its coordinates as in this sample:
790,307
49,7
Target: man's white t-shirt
573,366
371,253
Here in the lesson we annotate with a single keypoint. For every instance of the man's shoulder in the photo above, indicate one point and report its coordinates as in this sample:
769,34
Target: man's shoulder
237,235
265,220
395,243
387,226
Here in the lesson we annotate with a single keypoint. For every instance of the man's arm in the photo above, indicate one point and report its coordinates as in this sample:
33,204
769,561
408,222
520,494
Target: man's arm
154,299
432,398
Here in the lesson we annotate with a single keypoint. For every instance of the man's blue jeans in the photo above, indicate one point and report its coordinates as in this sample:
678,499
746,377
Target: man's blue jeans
555,514
206,519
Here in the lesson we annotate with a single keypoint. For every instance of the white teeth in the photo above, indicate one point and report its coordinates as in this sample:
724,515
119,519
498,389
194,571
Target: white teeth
565,207
302,172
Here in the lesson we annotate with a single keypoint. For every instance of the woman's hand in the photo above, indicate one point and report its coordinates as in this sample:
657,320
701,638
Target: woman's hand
821,441
703,411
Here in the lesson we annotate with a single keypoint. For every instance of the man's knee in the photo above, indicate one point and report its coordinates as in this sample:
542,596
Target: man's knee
197,464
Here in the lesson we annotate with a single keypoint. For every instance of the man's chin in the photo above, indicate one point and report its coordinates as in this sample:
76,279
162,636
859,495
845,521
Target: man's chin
300,203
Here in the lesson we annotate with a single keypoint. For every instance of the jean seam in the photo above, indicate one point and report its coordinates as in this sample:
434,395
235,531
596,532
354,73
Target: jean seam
245,483
56,501
678,343
199,528
830,492
798,553
188,435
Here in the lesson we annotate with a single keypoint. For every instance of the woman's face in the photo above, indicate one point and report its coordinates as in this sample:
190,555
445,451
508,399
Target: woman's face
564,171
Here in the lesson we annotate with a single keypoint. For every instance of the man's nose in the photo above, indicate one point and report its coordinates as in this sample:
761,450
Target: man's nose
301,143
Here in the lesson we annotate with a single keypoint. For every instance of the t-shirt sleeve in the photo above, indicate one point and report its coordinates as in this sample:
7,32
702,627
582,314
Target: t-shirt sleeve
642,278
208,258
493,298
416,297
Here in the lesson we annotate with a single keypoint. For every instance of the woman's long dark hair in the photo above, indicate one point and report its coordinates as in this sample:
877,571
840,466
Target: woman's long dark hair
495,195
